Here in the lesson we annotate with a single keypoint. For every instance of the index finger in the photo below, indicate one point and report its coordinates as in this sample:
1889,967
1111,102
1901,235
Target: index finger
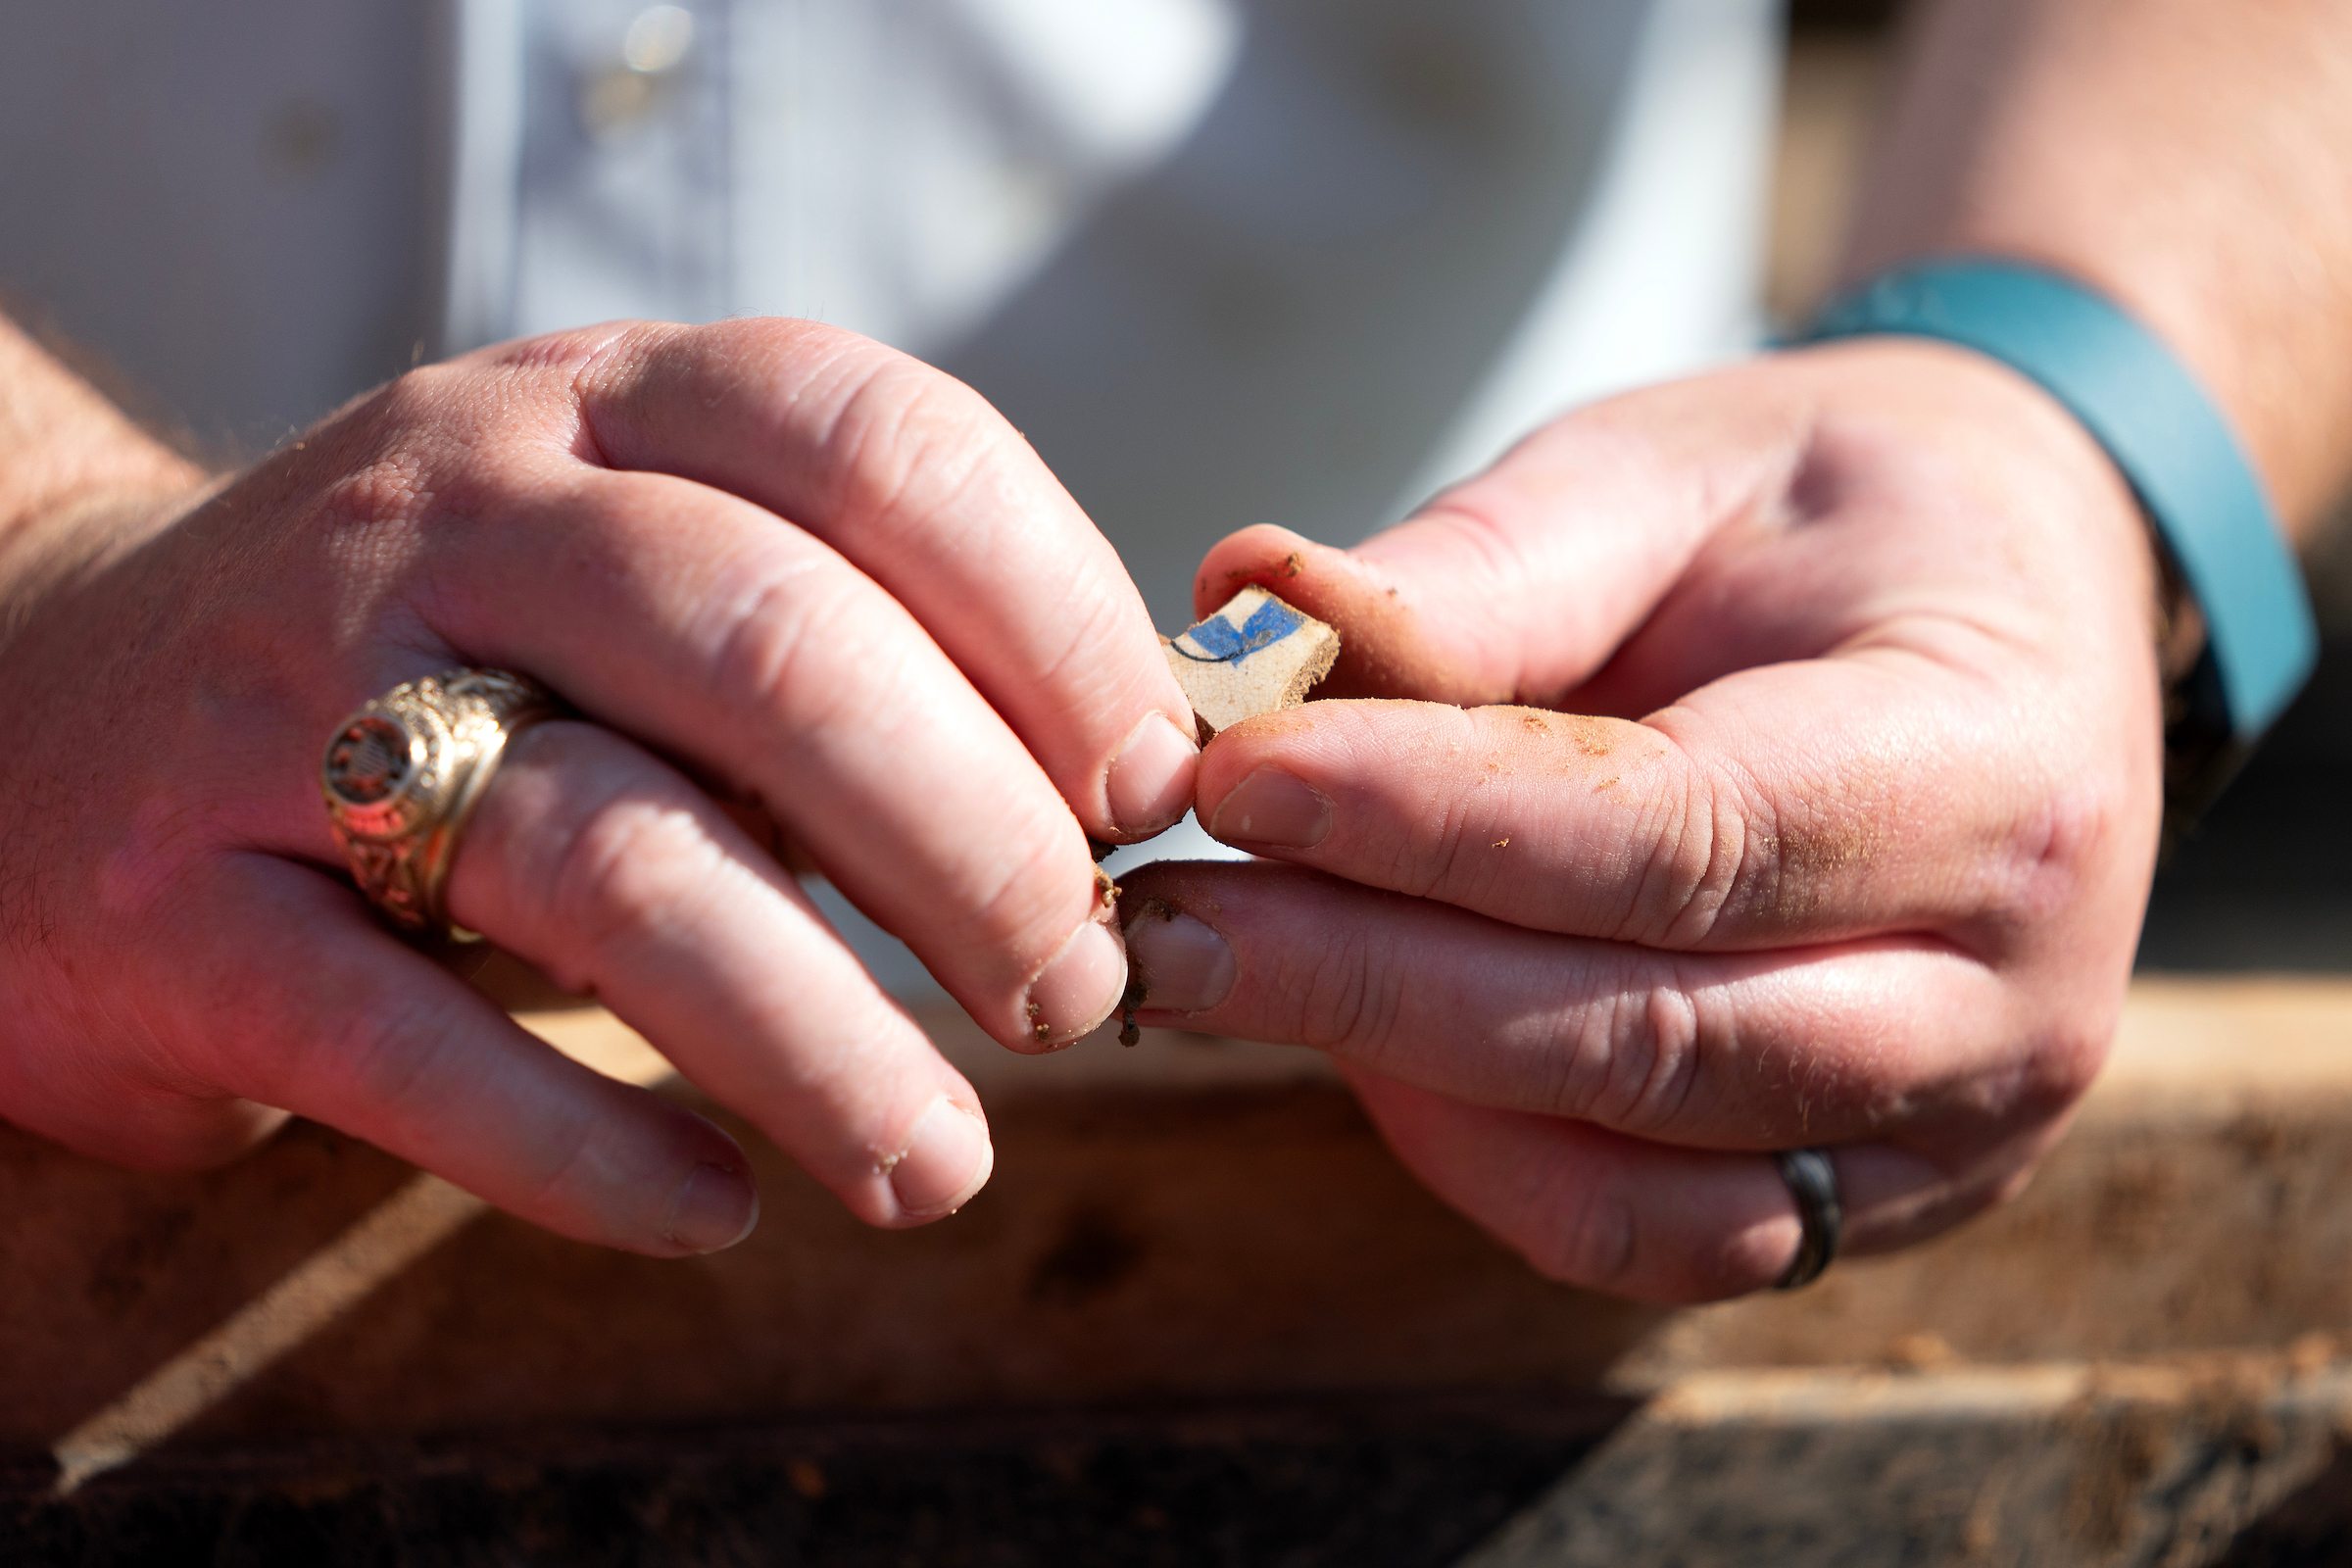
913,477
1799,803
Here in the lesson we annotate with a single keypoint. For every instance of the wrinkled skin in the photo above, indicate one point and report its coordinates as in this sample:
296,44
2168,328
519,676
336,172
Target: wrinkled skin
787,580
1768,760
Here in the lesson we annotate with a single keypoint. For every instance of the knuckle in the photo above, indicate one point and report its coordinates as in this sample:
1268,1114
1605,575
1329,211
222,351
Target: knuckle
412,451
801,658
600,361
1705,854
766,339
624,868
907,442
1631,1061
1021,901
759,366
799,654
806,342
563,1168
576,352
1072,663
1478,518
385,491
1447,856
383,1056
1025,894
2065,841
1352,1002
1431,865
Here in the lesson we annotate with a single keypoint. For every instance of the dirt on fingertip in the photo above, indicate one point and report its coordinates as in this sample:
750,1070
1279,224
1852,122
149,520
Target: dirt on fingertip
1132,998
1153,908
1129,1000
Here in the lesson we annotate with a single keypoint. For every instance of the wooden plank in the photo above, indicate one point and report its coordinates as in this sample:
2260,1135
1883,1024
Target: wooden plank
2181,1464
1189,1221
2225,1459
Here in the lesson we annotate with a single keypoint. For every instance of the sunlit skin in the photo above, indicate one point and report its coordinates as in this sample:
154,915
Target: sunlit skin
607,511
1765,760
1802,789
1853,842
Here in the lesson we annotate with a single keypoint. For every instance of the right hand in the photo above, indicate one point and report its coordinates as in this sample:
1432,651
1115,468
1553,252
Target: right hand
768,563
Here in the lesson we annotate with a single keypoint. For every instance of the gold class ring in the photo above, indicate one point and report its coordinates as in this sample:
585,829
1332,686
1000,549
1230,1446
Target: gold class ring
404,772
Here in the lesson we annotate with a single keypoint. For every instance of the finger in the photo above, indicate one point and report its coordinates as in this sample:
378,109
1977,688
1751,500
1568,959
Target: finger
1518,584
1755,1050
696,622
1607,1212
298,1000
144,1122
912,476
1803,803
614,873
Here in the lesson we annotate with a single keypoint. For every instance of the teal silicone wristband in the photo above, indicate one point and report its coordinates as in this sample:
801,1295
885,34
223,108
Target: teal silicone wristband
2191,476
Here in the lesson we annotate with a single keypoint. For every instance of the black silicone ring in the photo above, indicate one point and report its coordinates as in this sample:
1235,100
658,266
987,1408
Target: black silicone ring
1813,1182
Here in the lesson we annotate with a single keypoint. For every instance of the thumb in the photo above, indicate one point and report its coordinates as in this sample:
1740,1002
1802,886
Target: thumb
1517,585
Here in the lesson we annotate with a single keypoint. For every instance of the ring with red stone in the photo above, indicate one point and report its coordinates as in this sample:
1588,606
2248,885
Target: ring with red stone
404,772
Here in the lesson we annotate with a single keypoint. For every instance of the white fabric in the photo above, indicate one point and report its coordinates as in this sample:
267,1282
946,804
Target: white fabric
1223,261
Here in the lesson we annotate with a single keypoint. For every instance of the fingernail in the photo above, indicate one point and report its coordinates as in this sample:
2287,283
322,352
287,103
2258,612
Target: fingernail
716,1208
1150,781
948,1160
1272,807
1183,965
1077,990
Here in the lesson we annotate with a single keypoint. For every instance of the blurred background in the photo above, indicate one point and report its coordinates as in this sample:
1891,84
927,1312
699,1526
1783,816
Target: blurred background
1204,1317
2263,884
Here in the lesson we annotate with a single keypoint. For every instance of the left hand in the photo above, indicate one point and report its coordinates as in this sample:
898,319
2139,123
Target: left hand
1828,817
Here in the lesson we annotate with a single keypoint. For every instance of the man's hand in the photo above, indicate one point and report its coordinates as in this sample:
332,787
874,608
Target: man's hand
1803,790
774,566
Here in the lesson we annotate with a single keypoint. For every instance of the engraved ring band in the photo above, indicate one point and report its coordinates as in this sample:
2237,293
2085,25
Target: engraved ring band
404,772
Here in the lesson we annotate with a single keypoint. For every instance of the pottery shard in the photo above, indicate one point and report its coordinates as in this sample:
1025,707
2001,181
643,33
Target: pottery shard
1252,656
